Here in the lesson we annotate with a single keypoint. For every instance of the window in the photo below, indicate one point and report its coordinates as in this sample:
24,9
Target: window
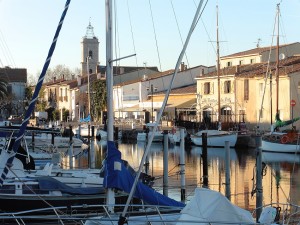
90,54
252,61
246,89
61,95
242,115
241,62
206,88
229,63
227,87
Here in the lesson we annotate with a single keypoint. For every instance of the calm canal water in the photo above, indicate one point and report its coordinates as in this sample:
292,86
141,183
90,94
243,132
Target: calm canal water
281,179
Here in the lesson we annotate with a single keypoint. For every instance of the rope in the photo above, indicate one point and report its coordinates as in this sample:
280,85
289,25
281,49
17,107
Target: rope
39,196
266,76
155,35
35,96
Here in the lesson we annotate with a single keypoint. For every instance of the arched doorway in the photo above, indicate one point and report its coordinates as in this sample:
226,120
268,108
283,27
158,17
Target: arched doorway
226,114
207,117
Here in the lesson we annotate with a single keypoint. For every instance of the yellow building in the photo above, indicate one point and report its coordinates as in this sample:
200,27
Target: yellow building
247,93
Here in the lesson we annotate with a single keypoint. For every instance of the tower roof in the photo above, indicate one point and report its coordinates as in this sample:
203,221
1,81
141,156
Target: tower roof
89,31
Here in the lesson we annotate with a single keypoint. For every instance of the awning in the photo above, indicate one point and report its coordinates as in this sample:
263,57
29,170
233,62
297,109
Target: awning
172,103
187,104
134,108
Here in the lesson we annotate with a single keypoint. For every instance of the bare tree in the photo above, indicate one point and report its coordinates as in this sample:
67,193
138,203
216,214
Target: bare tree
60,71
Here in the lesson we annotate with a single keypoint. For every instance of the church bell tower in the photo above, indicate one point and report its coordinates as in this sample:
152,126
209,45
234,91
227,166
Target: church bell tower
89,51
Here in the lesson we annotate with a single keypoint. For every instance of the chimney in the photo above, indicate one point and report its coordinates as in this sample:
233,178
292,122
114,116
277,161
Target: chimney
182,66
79,80
98,69
201,72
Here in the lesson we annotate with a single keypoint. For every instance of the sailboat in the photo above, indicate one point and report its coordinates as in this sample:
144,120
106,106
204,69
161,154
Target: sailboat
286,141
217,137
22,187
218,208
207,206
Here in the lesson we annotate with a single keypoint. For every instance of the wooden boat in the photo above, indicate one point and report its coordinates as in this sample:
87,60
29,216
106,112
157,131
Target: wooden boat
215,138
284,142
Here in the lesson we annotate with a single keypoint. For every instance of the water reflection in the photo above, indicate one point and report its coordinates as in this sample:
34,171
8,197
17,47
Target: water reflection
280,180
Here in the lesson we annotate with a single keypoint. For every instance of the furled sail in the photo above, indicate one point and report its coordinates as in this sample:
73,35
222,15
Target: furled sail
279,123
117,176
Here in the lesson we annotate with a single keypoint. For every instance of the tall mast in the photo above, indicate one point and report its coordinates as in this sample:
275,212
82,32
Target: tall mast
110,197
277,63
218,68
109,71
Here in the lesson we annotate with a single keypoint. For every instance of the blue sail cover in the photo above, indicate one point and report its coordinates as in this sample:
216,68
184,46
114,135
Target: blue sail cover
51,184
87,119
117,176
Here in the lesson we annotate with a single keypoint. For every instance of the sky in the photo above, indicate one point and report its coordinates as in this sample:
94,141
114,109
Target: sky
154,30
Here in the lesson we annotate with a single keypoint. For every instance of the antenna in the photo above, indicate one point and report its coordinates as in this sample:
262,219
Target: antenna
258,42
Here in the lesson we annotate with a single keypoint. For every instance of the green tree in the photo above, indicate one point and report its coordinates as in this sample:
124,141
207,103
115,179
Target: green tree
98,98
28,93
66,114
41,104
55,114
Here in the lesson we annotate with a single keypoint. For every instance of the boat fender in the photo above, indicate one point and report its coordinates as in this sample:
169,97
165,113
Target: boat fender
268,215
284,139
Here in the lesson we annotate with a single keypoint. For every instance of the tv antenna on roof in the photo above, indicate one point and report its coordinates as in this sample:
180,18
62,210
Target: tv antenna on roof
258,43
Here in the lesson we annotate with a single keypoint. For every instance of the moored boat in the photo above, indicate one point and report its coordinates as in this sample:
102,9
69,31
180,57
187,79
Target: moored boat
215,138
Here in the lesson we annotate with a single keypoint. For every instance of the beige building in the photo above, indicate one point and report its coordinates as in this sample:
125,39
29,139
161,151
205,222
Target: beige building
69,95
260,55
247,94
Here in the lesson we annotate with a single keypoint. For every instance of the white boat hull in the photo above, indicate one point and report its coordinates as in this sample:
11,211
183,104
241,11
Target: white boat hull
158,136
279,147
280,142
141,136
215,138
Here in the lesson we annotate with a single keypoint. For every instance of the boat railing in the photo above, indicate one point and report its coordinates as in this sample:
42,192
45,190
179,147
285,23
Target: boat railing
286,213
82,213
138,213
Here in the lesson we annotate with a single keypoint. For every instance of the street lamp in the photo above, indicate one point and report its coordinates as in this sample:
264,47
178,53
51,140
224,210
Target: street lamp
151,91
